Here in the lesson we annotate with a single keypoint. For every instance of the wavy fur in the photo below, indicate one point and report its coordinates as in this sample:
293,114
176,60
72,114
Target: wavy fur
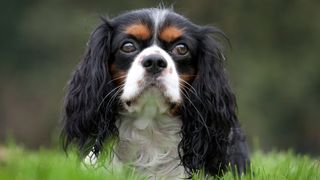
209,120
88,121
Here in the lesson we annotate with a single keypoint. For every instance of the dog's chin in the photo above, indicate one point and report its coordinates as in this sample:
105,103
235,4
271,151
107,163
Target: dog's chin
151,95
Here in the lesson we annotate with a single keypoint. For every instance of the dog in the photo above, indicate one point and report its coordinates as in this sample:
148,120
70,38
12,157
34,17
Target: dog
154,83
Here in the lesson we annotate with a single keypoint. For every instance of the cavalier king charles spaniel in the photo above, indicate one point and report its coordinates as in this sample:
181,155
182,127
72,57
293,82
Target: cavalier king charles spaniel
153,85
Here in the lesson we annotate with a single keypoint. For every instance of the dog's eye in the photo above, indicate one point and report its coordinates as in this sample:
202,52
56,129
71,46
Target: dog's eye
180,49
128,47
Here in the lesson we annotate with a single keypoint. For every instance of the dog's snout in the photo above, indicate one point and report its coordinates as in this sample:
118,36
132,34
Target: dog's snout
154,64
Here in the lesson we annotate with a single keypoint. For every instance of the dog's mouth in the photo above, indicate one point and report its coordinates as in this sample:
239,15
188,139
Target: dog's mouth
172,106
152,94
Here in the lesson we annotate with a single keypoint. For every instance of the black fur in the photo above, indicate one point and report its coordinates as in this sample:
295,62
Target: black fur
211,115
211,134
87,123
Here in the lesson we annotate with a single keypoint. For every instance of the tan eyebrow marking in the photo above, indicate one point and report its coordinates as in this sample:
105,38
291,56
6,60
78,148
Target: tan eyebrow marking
171,33
140,31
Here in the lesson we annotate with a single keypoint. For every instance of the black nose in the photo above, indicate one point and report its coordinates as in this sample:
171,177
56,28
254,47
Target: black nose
154,64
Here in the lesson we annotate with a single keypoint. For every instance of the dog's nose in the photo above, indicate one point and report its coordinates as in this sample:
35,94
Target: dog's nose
154,64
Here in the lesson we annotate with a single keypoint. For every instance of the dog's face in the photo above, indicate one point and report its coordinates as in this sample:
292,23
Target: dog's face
153,49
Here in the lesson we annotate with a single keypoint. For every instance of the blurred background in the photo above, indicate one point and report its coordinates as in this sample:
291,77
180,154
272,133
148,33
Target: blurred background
274,64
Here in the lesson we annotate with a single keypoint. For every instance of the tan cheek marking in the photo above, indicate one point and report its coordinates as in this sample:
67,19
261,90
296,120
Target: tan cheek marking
140,31
170,33
118,76
186,78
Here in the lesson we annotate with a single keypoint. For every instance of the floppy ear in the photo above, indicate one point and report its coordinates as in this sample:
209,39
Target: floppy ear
208,115
87,120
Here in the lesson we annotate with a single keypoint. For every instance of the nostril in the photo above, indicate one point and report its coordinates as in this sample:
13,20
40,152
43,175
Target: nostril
147,63
161,63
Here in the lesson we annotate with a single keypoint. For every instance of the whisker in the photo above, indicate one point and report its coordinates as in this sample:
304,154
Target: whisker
104,98
188,88
119,77
192,90
114,96
188,85
188,98
198,112
195,94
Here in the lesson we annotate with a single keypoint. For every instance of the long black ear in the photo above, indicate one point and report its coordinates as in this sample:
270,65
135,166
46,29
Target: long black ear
87,120
209,114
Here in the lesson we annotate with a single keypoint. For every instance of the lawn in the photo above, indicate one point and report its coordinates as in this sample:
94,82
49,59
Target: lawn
19,164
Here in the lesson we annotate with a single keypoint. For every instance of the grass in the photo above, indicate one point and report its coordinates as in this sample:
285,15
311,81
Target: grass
19,164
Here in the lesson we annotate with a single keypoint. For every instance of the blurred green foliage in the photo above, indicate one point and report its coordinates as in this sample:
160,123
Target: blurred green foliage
273,63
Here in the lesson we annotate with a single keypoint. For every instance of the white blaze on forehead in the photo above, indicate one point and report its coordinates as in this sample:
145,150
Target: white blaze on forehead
136,81
158,17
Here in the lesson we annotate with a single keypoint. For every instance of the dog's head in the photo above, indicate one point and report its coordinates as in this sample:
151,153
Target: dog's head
152,49
160,50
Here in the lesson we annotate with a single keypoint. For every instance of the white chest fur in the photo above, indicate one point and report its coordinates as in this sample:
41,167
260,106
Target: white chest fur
149,137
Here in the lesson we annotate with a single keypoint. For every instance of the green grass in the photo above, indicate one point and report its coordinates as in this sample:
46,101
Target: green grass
19,164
